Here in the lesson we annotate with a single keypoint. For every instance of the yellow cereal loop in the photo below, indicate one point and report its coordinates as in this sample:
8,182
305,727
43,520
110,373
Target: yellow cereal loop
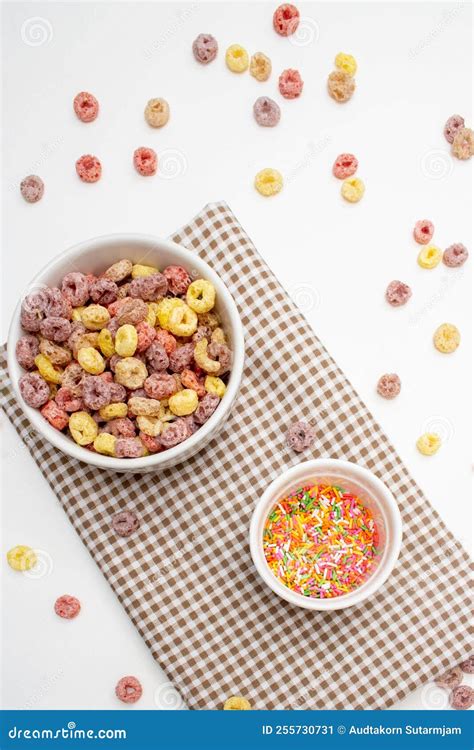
21,557
202,358
268,182
164,308
215,385
77,313
352,189
91,360
113,411
144,407
429,256
95,317
126,340
446,338
236,58
47,370
237,703
87,339
149,425
201,296
218,336
105,444
82,428
182,321
428,443
106,342
131,372
138,271
347,63
184,402
260,66
151,315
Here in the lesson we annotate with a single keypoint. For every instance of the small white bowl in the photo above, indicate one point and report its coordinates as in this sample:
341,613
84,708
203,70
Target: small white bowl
95,256
373,493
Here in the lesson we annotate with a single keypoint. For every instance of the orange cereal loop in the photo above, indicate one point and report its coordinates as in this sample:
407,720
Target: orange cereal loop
237,703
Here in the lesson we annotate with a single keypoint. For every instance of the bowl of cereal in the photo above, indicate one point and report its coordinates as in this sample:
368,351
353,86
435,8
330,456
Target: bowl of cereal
126,352
326,534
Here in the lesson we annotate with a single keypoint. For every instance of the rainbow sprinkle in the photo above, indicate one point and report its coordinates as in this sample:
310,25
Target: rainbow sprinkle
320,541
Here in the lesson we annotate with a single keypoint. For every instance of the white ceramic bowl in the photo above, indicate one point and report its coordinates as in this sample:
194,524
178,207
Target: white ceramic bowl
373,493
95,256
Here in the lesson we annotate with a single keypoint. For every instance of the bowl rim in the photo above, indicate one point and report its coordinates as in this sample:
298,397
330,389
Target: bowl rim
293,474
171,456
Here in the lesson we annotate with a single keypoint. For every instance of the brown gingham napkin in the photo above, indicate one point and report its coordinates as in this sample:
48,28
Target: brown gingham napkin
186,578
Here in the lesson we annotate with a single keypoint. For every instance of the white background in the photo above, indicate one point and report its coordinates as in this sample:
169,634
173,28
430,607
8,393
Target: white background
334,258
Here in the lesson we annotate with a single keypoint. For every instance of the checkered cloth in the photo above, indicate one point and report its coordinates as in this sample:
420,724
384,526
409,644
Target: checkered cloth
186,578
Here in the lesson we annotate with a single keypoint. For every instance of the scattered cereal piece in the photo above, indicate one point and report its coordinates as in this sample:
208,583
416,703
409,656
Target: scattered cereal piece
268,182
286,19
67,607
128,690
463,144
32,188
290,84
345,166
237,59
21,558
389,386
453,125
89,168
145,161
462,697
236,702
300,436
266,112
397,293
83,428
450,679
157,113
352,189
341,86
260,66
429,257
86,106
205,48
184,402
468,665
34,389
446,338
455,255
206,408
125,523
428,443
347,63
423,231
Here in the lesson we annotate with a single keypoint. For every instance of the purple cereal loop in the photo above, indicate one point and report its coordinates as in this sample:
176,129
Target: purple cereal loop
156,357
118,393
32,188
160,385
125,523
129,447
455,255
33,310
462,698
205,48
26,349
389,385
121,427
55,329
104,291
203,332
132,311
397,293
34,390
182,358
452,126
75,287
174,433
57,305
468,665
95,392
206,408
149,288
300,436
222,354
450,679
266,112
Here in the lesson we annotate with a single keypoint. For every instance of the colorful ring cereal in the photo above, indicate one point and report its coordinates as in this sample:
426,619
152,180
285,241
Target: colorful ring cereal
21,558
429,256
128,689
178,279
86,106
286,19
455,255
205,48
126,340
83,428
446,338
260,66
157,112
266,112
389,386
145,161
206,408
423,231
184,402
200,296
290,84
300,436
345,166
125,523
347,63
34,390
352,189
462,698
88,168
428,443
237,703
268,182
463,144
27,348
236,58
67,607
32,188
397,293
450,679
341,86
453,125
468,665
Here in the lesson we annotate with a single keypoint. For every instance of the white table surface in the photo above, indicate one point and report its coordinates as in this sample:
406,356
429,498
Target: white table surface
334,258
